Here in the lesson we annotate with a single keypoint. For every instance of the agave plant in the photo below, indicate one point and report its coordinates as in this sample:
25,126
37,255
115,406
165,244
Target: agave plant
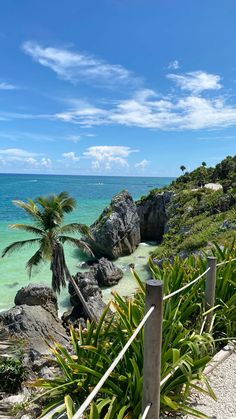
185,350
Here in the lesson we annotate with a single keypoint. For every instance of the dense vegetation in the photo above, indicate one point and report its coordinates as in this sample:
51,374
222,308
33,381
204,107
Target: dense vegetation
198,216
186,345
12,372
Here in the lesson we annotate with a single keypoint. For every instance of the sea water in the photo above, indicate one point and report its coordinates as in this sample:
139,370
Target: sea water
92,194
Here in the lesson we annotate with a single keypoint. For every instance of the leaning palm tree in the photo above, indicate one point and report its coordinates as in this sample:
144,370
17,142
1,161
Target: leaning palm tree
48,214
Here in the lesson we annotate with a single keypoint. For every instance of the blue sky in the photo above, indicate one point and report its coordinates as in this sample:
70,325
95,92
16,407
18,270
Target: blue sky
116,87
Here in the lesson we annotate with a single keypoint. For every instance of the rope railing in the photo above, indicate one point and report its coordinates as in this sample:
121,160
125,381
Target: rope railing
166,297
209,301
168,376
146,411
83,407
225,262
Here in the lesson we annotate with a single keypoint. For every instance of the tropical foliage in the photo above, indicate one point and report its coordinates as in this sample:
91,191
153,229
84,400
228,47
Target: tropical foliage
186,346
48,214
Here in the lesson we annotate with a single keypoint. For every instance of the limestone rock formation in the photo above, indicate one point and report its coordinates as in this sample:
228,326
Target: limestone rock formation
106,273
37,295
116,232
34,323
152,215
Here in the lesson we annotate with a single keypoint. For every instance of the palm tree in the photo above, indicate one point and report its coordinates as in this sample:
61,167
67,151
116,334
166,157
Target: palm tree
204,164
183,168
48,214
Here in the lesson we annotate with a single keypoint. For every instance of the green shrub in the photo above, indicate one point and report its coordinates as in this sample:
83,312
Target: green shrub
11,374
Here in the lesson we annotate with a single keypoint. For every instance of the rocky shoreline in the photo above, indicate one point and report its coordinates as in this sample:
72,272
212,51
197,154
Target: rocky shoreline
34,318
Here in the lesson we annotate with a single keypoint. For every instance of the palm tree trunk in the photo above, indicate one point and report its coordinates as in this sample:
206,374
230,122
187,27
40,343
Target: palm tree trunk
81,299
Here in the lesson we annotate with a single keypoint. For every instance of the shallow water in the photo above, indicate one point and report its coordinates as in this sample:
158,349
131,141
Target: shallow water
92,195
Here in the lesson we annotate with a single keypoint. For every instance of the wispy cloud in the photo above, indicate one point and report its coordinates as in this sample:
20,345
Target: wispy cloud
77,66
24,135
142,164
16,153
105,157
146,109
189,107
196,81
173,65
7,86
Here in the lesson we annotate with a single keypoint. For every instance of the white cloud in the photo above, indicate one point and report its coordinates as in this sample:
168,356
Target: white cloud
7,86
173,65
190,107
77,66
196,81
16,153
70,156
86,116
107,156
146,109
142,164
46,162
23,158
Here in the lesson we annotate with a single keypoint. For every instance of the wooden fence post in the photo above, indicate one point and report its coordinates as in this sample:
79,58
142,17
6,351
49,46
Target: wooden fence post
210,289
152,349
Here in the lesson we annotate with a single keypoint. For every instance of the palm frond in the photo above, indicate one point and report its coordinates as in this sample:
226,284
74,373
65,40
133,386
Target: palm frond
67,203
30,207
28,228
35,260
76,228
18,245
77,243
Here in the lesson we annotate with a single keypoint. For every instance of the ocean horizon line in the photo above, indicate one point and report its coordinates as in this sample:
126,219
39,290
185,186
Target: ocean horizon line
81,175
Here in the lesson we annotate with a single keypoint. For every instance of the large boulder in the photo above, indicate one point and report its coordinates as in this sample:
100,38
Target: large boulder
35,324
106,273
37,295
152,214
116,232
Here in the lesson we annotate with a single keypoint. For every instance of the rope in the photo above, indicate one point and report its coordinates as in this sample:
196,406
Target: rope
168,376
146,411
166,297
224,262
112,367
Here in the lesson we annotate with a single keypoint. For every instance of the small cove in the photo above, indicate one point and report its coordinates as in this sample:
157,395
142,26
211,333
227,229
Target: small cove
92,194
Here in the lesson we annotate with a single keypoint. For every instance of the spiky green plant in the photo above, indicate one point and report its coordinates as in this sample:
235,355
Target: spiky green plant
186,347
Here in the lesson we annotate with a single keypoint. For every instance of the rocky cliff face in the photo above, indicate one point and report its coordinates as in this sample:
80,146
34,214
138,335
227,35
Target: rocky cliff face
117,231
152,215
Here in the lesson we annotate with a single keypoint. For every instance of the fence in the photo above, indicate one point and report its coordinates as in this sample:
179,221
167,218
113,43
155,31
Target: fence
153,340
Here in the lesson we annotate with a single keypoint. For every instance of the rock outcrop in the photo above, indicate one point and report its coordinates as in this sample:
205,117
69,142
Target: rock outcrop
37,295
117,232
106,273
34,323
152,215
92,294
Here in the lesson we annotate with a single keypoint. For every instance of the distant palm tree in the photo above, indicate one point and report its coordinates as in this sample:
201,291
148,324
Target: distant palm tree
48,214
183,168
204,164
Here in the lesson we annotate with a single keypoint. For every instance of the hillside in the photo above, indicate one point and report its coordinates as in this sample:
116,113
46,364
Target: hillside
197,215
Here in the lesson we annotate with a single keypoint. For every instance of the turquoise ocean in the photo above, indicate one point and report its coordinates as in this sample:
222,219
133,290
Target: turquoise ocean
92,194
